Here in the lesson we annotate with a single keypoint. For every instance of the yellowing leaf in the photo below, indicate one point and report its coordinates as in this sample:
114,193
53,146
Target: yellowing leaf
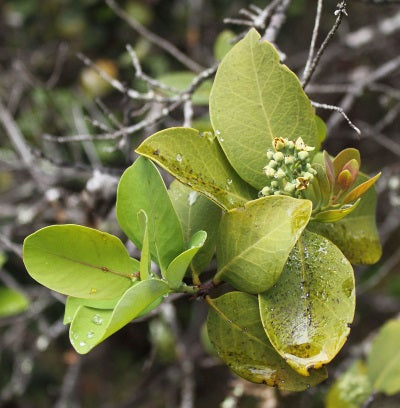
197,160
235,330
307,313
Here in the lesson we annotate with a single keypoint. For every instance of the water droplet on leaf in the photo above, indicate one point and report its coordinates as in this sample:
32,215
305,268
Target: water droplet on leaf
97,319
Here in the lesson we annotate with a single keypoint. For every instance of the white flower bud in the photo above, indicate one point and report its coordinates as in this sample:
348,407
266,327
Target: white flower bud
290,145
280,174
299,144
273,164
274,184
269,171
270,154
303,155
289,160
289,187
266,191
308,176
278,156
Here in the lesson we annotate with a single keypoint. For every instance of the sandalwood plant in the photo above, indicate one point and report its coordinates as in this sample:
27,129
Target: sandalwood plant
285,220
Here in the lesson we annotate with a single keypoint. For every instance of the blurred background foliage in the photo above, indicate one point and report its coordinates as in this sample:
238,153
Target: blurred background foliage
47,90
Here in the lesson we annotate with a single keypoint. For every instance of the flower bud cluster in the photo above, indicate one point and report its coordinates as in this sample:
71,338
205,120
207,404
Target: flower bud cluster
288,171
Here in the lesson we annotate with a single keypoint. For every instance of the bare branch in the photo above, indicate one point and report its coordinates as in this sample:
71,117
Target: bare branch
18,141
340,12
69,384
62,54
348,100
276,22
313,40
119,86
154,38
179,100
341,111
141,75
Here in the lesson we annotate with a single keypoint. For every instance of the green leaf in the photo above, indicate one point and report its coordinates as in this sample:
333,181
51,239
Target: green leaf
307,313
145,260
383,361
351,389
254,99
3,259
253,243
12,302
196,213
223,44
197,160
356,235
72,305
181,81
78,261
321,131
323,183
142,188
91,326
319,190
177,268
236,332
335,215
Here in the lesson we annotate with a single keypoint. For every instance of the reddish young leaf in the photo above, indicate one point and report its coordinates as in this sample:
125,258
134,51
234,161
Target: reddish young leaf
360,190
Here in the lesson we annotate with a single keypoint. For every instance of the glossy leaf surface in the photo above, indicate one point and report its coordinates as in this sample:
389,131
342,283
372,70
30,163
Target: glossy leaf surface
196,213
177,268
79,261
383,361
254,242
254,99
72,304
91,326
235,330
356,234
307,313
197,160
145,260
142,188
